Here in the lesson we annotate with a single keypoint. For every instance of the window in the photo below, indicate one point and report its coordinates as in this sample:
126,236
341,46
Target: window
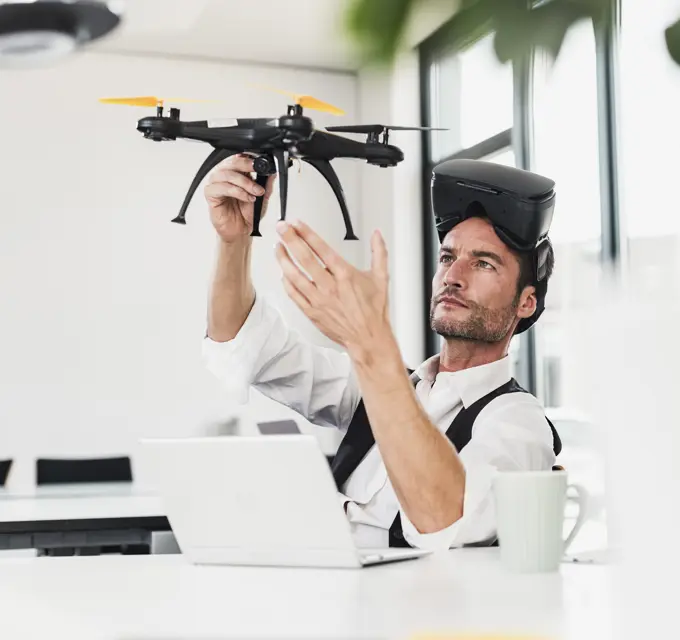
566,149
505,157
650,137
471,96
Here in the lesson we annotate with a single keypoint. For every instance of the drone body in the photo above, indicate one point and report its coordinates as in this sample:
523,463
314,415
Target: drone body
273,143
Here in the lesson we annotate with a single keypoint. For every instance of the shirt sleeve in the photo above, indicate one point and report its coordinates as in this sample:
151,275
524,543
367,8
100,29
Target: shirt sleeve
511,433
267,355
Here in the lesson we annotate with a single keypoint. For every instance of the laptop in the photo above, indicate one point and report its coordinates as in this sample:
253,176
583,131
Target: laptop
267,500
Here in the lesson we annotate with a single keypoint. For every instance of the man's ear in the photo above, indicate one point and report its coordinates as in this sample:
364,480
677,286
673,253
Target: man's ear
527,303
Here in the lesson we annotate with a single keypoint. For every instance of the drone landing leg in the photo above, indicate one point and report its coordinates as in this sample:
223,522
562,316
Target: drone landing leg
281,159
326,170
259,201
210,162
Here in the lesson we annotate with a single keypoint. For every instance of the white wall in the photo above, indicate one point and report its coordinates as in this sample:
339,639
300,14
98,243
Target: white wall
102,298
392,198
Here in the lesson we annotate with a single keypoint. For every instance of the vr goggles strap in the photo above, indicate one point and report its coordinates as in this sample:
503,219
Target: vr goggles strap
540,259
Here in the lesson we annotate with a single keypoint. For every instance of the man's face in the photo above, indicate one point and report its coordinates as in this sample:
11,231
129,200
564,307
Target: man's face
474,290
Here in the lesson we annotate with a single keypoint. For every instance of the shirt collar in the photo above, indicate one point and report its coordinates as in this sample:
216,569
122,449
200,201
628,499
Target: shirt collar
470,384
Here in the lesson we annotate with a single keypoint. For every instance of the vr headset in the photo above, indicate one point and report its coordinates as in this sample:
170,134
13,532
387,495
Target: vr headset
519,204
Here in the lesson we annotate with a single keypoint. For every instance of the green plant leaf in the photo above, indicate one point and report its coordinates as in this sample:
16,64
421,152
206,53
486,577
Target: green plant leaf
544,27
512,24
672,35
472,22
377,26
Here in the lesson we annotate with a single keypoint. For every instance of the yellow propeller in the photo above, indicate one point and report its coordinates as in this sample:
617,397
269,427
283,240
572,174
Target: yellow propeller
305,101
147,101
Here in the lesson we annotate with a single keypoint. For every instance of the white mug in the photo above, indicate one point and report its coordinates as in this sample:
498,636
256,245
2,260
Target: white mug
530,518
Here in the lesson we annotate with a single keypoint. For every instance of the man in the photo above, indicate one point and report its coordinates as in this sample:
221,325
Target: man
414,486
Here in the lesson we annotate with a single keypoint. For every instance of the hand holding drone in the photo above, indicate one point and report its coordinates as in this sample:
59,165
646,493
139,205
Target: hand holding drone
273,142
230,192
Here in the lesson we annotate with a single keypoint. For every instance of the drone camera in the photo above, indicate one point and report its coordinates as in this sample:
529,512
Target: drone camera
264,166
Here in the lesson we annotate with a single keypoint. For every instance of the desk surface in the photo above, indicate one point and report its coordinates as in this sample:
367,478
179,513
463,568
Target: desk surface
75,490
125,506
95,505
154,597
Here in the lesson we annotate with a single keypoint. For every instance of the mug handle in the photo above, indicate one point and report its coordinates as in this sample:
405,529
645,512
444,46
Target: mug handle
582,499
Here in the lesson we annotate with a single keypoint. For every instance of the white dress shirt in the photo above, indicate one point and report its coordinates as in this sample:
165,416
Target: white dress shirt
510,433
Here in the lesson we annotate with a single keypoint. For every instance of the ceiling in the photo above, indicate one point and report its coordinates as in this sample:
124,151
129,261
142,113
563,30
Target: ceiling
306,33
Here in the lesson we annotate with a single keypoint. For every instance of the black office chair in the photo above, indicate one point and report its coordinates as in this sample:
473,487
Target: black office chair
81,470
5,466
53,471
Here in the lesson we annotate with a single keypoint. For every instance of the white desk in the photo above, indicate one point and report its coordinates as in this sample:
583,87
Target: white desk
79,517
135,597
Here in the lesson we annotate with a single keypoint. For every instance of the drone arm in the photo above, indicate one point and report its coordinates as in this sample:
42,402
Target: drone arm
259,202
281,159
215,157
326,170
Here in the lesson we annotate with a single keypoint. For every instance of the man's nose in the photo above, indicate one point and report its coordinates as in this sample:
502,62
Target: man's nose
456,275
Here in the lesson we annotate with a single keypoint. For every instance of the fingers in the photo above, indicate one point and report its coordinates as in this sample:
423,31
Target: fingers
304,255
237,162
223,190
235,172
300,300
293,275
379,262
318,245
227,176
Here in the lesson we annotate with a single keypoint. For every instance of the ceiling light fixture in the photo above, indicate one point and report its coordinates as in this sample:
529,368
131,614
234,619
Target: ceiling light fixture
38,32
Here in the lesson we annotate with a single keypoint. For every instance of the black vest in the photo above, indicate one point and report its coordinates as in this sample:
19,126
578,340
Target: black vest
359,439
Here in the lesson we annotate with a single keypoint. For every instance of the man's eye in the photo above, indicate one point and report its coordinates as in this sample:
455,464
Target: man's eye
485,265
444,259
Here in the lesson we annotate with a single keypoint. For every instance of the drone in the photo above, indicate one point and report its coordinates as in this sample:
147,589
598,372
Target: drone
274,143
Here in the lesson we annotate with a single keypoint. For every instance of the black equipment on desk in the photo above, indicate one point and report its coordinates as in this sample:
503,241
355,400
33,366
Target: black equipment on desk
83,470
5,466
